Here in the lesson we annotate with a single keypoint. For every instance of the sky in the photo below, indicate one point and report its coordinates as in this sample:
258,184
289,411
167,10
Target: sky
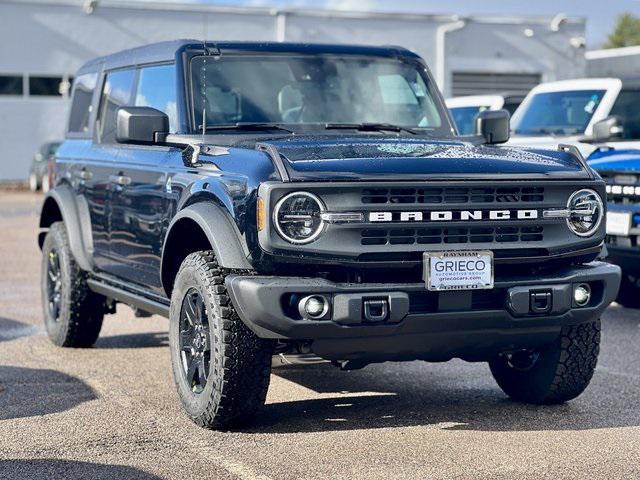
600,14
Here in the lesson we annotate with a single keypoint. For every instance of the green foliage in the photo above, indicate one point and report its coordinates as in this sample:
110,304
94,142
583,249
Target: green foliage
626,33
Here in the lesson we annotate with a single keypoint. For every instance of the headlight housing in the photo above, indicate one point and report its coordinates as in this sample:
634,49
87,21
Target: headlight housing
297,217
585,212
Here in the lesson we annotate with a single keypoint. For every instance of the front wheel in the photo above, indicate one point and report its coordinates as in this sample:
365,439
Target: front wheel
556,374
220,367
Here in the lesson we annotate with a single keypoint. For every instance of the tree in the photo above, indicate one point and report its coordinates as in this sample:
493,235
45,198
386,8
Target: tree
626,32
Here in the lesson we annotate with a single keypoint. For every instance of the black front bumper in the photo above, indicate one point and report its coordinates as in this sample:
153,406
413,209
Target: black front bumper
420,324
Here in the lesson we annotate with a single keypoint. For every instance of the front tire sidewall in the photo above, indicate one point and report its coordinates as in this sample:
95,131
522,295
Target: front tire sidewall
195,404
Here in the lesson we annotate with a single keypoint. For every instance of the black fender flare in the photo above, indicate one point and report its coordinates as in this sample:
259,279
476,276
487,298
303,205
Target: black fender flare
76,220
222,232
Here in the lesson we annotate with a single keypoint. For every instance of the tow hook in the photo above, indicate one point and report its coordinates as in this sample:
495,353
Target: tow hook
376,310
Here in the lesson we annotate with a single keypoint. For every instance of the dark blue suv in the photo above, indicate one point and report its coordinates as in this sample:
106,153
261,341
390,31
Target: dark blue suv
273,198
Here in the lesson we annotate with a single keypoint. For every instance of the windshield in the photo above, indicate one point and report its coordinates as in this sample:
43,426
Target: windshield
464,117
313,90
559,113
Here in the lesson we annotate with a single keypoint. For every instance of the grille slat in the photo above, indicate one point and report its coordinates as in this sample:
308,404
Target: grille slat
448,235
448,195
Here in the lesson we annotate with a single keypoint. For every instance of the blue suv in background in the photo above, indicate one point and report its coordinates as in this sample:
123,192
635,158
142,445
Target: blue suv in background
620,169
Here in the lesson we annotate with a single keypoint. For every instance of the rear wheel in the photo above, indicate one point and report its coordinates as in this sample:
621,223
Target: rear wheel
221,368
555,374
629,293
72,313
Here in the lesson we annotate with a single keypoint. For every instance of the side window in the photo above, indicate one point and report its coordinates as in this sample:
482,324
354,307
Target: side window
627,107
116,93
157,89
81,106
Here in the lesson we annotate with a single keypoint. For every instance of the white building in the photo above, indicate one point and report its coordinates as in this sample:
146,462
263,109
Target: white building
614,62
43,42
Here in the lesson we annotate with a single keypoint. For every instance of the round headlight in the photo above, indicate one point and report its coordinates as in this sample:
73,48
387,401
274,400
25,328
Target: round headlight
297,217
585,212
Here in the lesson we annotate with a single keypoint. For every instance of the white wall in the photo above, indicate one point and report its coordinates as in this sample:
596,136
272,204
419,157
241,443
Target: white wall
39,37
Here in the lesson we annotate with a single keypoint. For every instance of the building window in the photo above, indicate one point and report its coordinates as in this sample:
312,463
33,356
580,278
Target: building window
11,85
46,86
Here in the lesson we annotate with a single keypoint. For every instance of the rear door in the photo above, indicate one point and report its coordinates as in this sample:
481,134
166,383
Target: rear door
103,164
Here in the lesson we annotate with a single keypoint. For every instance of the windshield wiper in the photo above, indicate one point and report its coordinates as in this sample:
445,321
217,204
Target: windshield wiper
369,127
247,126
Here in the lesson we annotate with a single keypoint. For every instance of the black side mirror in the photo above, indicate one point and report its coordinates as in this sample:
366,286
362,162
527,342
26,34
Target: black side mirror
493,126
141,125
607,129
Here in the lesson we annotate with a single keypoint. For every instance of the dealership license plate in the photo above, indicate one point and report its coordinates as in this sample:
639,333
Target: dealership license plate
618,223
458,270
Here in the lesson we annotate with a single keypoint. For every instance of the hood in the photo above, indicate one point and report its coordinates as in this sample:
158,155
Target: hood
608,160
318,159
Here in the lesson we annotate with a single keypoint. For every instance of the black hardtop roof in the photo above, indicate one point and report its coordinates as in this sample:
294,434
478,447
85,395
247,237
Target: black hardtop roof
166,51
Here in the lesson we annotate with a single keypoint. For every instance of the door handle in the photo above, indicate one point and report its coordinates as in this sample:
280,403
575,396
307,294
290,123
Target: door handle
84,174
120,179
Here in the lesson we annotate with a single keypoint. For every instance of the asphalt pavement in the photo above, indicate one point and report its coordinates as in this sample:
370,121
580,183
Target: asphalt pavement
112,411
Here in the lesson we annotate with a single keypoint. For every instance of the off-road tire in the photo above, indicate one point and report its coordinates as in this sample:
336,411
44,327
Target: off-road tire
240,362
629,293
81,311
561,372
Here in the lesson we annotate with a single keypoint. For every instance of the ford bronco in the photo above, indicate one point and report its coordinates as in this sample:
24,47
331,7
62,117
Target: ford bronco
274,198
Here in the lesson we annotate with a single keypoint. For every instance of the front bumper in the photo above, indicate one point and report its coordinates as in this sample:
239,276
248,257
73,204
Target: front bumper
420,324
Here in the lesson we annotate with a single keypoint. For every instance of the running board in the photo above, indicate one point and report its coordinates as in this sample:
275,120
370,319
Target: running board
131,299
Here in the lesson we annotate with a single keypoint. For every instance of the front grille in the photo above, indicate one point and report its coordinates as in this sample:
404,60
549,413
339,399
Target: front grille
447,195
451,235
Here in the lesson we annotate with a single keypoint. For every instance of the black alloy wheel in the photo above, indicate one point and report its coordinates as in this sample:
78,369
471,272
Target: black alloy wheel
195,341
54,284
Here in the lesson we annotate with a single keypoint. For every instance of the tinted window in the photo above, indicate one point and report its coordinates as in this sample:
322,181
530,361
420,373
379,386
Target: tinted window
81,107
559,113
314,90
627,107
10,85
157,89
463,117
116,93
46,86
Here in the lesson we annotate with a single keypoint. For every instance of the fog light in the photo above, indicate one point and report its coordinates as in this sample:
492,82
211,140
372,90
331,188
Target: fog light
581,295
314,306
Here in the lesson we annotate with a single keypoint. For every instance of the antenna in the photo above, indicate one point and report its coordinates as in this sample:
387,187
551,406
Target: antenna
203,72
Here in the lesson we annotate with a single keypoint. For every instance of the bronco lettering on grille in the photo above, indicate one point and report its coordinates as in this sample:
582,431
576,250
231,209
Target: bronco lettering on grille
453,215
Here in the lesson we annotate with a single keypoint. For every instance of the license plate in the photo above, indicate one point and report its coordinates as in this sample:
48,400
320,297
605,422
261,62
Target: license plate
458,270
618,223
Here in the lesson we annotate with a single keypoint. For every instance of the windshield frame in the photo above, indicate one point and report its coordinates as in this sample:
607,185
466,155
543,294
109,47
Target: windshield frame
446,129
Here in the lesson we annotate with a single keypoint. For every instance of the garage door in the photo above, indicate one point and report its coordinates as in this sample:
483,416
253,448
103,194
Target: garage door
479,83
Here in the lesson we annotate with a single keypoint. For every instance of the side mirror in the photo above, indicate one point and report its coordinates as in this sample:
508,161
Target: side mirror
493,126
141,125
607,129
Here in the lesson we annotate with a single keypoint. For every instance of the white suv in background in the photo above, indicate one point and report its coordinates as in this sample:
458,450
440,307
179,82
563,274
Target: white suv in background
464,109
584,110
